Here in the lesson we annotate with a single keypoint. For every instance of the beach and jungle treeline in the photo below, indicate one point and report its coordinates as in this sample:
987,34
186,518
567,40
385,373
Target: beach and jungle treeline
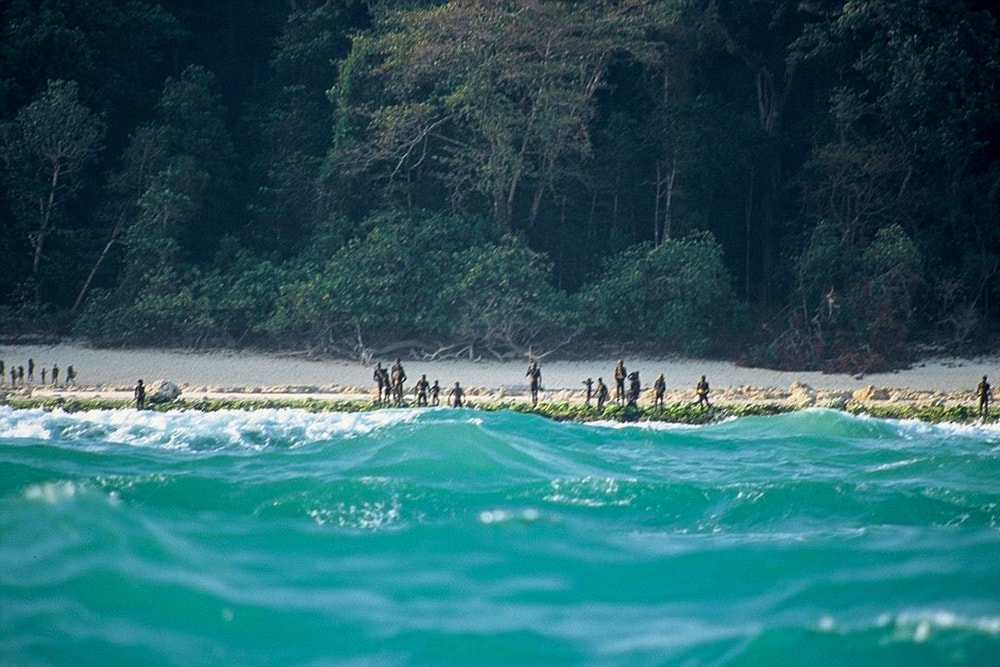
809,186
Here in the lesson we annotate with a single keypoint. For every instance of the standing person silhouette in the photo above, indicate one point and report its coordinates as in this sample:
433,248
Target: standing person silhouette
435,393
378,377
398,378
634,388
421,389
386,385
602,393
456,395
985,394
620,376
659,389
535,373
702,390
140,395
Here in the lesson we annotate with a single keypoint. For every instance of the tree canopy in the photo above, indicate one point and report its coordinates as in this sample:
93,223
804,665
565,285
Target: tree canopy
798,184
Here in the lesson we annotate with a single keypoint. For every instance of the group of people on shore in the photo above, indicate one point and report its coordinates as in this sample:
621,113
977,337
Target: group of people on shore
630,395
24,376
390,388
391,385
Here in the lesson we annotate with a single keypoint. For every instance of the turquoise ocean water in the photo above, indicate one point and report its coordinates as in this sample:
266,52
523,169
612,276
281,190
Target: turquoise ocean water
458,537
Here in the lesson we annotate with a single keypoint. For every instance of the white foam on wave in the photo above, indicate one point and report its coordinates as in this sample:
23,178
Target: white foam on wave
360,515
989,432
647,425
918,626
591,492
974,433
24,424
893,465
194,430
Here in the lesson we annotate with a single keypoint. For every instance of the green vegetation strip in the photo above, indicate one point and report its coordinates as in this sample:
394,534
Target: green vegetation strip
678,413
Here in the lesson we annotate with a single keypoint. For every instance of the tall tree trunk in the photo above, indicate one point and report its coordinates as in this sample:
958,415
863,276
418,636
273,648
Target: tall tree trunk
38,238
97,265
543,181
656,204
668,213
665,194
501,211
772,99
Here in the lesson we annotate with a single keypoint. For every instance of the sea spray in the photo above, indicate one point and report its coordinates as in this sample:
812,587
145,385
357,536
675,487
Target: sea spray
441,536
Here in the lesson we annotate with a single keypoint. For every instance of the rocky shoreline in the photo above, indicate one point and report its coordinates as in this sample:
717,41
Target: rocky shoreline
247,379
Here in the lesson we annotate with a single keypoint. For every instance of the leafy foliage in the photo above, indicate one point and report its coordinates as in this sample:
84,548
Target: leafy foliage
857,304
483,97
46,150
423,276
501,294
343,175
677,297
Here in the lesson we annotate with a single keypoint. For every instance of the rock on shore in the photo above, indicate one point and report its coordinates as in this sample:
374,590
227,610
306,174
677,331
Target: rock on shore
162,391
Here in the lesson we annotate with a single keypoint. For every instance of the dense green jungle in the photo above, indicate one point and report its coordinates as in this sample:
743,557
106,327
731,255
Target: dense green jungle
794,184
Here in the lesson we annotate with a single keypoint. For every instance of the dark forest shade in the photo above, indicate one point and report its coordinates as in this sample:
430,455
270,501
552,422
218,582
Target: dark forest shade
796,184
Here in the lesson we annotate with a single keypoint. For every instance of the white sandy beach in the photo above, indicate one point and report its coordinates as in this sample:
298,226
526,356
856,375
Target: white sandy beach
113,372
